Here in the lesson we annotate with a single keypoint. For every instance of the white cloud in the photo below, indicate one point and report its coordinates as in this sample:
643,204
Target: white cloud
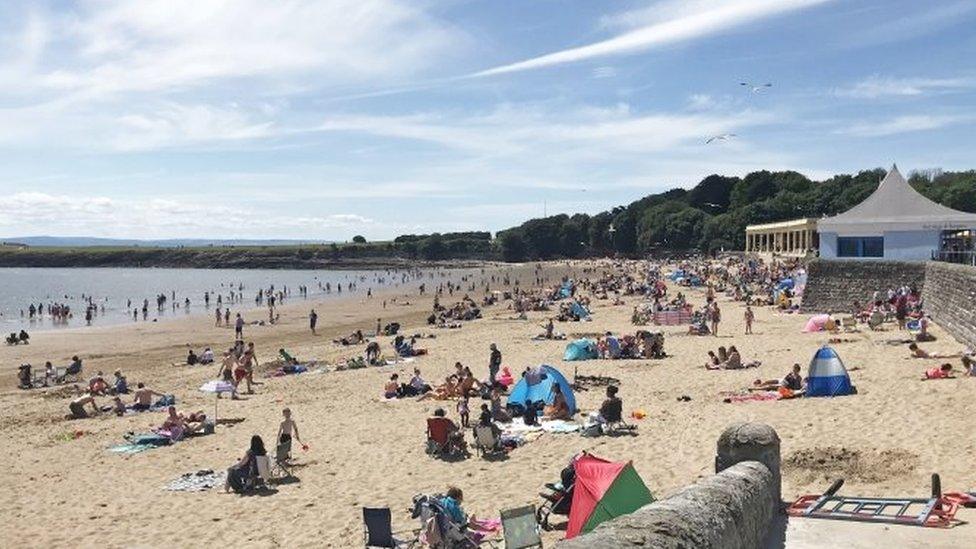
903,124
702,19
156,217
877,86
166,45
514,129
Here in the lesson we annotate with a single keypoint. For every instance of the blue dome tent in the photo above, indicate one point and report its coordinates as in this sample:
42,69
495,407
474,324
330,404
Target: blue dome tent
581,349
542,391
827,375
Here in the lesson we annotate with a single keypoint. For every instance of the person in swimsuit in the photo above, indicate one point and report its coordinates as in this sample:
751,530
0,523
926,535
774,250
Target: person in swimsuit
288,430
142,398
942,372
77,407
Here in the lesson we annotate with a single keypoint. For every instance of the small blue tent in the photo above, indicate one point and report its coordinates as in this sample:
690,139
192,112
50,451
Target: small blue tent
579,310
566,290
581,349
827,375
523,392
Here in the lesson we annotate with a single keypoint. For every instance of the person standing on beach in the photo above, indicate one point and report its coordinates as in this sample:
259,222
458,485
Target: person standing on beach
494,363
716,317
239,327
220,315
750,316
313,317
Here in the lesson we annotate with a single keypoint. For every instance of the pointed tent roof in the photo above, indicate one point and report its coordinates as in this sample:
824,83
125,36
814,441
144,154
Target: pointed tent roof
603,491
895,205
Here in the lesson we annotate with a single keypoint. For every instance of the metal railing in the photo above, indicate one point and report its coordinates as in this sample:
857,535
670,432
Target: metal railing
964,258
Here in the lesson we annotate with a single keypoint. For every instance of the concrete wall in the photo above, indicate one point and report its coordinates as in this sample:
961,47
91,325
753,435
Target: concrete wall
911,245
833,285
950,297
730,510
898,245
733,509
828,245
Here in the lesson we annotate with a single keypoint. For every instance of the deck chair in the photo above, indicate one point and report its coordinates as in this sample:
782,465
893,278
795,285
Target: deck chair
520,528
849,323
485,441
280,466
875,320
378,529
70,374
439,441
615,424
264,468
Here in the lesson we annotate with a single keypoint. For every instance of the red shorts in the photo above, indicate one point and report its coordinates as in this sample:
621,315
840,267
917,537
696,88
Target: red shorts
239,374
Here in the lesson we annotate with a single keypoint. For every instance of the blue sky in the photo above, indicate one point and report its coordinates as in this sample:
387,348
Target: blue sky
322,120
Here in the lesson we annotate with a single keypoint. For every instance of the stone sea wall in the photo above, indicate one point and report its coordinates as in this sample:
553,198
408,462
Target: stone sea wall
950,298
834,285
949,290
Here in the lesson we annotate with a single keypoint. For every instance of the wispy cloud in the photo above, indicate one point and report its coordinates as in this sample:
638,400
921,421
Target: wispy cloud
703,20
884,86
169,45
928,18
903,124
106,216
518,128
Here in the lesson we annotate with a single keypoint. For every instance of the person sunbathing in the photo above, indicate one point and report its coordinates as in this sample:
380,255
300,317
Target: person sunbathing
469,385
942,372
559,409
793,381
713,361
918,352
174,424
449,389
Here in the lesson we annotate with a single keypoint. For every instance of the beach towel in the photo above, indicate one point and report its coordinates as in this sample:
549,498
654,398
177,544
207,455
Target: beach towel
136,443
200,481
753,397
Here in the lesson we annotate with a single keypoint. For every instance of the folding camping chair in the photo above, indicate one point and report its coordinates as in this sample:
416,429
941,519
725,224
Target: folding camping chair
282,455
439,441
849,323
378,529
520,528
485,441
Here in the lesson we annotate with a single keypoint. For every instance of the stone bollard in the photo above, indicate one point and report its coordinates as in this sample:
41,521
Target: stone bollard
751,442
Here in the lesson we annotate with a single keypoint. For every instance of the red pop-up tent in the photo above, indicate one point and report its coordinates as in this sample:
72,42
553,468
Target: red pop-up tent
604,490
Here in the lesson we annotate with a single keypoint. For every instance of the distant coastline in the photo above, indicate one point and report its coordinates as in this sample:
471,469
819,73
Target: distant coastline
348,257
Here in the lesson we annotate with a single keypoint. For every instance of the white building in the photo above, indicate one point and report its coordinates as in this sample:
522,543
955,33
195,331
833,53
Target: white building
896,222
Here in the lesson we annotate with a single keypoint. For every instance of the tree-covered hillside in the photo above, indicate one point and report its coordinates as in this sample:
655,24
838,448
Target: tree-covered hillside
714,214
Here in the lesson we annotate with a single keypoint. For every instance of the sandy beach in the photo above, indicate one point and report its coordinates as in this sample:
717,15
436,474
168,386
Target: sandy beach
64,490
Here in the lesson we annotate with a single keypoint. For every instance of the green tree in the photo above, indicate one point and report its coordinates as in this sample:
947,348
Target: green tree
359,239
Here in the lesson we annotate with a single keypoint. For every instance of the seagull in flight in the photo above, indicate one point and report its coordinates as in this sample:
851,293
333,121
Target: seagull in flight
723,137
756,88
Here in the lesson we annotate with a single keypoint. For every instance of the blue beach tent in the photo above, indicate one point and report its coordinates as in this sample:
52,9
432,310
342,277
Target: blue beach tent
523,392
579,310
581,349
827,375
